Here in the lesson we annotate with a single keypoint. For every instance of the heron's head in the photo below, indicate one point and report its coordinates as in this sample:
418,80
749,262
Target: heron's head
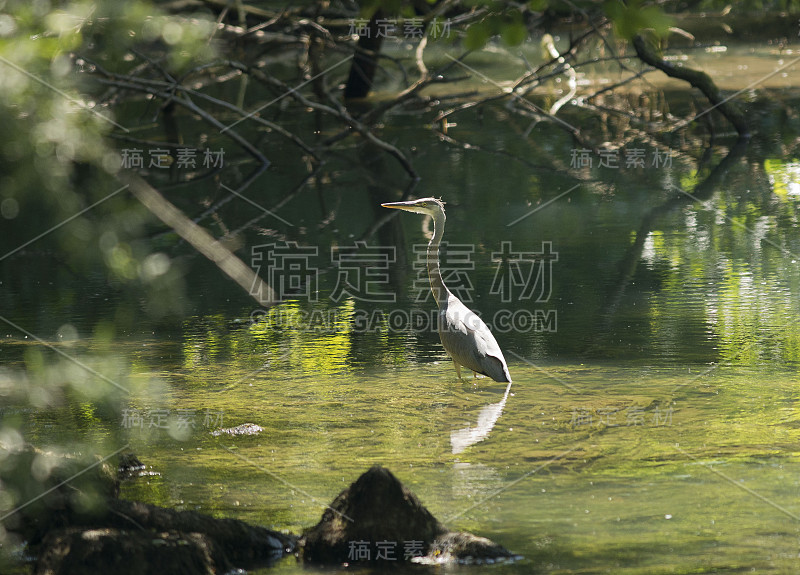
427,206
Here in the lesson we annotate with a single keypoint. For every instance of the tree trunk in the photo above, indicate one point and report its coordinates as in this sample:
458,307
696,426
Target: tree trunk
365,60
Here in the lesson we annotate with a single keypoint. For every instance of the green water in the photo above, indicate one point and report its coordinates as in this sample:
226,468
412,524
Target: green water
637,470
653,422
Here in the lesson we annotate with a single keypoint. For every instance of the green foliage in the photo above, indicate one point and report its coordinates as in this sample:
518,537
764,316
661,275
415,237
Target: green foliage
53,146
508,24
387,8
632,17
58,162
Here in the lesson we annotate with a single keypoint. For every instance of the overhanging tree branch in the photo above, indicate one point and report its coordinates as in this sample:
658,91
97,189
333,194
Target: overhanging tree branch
700,80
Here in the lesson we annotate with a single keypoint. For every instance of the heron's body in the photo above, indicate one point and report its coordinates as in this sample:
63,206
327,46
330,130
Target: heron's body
464,335
468,340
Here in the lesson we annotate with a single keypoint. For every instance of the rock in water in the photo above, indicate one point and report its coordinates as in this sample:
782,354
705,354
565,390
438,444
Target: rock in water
78,551
376,508
378,519
243,429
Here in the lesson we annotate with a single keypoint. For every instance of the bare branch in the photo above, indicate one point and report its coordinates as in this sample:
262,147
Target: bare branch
201,240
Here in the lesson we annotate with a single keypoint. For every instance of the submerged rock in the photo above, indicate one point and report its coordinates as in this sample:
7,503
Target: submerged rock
376,508
121,552
464,547
378,519
130,467
134,537
53,489
75,524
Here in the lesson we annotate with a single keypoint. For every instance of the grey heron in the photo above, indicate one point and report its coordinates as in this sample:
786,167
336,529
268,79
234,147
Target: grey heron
464,335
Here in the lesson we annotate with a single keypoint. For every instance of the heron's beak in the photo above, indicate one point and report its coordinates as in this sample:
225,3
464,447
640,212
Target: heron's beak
408,206
405,206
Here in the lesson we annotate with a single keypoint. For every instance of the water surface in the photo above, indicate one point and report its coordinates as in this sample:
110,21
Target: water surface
653,422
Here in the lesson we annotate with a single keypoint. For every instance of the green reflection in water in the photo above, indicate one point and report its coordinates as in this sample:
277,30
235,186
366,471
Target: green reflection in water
655,469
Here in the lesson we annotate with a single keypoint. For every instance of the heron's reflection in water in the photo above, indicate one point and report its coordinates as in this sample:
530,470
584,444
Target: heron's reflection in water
488,416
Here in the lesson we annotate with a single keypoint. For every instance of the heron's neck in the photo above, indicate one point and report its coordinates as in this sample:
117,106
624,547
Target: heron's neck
434,273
